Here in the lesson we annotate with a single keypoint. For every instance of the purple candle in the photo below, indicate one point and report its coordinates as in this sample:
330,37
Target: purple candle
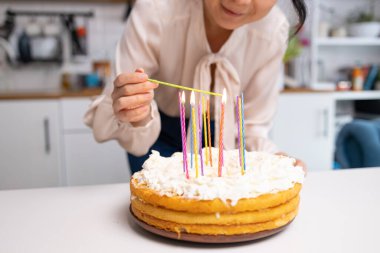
181,100
200,133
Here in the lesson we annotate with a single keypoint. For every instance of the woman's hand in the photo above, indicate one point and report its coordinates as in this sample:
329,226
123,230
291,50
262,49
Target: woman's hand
297,162
132,96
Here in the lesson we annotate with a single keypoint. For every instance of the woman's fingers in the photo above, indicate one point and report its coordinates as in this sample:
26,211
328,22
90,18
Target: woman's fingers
134,115
130,78
297,161
132,96
132,102
301,164
133,89
140,70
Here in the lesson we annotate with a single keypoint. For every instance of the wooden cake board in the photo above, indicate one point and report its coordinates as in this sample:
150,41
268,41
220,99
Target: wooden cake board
207,238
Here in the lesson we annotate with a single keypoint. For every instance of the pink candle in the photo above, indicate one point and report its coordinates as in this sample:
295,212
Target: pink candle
181,100
221,147
200,133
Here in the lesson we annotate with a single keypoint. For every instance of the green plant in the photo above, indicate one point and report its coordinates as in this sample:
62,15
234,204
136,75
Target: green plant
294,49
362,17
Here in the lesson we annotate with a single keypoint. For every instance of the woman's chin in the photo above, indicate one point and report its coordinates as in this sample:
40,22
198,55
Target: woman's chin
228,25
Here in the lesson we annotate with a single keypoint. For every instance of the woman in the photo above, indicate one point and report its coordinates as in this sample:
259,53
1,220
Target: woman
207,44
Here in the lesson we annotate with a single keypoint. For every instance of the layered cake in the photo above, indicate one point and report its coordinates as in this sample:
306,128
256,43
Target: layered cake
265,197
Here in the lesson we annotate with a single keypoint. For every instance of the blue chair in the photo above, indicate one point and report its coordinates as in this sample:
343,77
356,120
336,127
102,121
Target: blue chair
358,144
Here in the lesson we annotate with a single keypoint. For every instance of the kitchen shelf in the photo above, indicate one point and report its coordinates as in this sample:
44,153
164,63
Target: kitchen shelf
350,41
330,54
357,95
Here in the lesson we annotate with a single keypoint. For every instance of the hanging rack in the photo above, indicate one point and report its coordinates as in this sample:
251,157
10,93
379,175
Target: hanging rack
14,13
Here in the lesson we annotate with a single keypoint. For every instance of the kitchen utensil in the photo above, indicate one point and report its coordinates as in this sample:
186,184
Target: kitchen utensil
7,28
9,50
324,29
51,28
24,48
339,32
33,28
69,22
45,48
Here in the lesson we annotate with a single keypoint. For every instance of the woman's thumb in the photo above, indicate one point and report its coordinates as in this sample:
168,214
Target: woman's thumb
140,70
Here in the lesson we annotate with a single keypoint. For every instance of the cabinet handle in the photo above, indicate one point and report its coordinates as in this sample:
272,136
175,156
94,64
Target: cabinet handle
326,123
47,135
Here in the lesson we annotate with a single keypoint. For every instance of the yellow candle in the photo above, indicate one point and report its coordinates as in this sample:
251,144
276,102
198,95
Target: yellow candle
209,131
241,137
205,128
195,146
184,87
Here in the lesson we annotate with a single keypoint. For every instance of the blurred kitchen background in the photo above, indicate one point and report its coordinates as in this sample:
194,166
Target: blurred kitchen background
57,55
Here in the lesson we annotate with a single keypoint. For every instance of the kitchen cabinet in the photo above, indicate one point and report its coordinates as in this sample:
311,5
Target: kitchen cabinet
88,162
304,128
30,144
44,143
307,124
85,161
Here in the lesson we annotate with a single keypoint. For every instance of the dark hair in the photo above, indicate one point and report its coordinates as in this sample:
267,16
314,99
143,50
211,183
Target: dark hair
300,8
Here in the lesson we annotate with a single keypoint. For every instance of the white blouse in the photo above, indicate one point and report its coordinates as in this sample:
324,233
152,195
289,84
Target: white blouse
167,38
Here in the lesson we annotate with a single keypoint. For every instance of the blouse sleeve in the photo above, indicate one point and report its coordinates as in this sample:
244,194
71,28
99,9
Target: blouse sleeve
138,47
261,97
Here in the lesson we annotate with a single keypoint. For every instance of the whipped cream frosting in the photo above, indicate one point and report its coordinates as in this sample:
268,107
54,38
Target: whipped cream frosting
265,173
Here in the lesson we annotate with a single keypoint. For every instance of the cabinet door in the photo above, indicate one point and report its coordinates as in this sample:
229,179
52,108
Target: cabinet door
29,144
86,161
303,128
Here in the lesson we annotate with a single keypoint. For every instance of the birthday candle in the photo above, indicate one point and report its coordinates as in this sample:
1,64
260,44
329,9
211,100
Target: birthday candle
200,134
209,130
180,118
191,141
224,98
242,126
241,136
183,131
238,128
195,146
205,129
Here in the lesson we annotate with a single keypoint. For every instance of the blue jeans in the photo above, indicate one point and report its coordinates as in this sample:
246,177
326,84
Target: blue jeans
168,142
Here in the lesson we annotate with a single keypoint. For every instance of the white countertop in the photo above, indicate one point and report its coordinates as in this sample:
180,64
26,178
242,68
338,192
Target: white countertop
339,212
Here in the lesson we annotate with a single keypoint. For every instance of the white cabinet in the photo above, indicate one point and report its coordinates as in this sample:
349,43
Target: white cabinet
44,143
29,143
304,128
85,161
88,162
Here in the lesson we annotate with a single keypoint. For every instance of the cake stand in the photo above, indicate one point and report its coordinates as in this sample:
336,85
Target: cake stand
183,236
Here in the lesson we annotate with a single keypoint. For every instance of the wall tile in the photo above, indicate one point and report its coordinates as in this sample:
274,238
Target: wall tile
104,31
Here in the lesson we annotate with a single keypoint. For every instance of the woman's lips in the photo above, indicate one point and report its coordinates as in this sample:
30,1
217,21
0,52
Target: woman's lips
230,12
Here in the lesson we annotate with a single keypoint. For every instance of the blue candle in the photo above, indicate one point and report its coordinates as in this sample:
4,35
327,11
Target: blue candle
243,139
238,128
